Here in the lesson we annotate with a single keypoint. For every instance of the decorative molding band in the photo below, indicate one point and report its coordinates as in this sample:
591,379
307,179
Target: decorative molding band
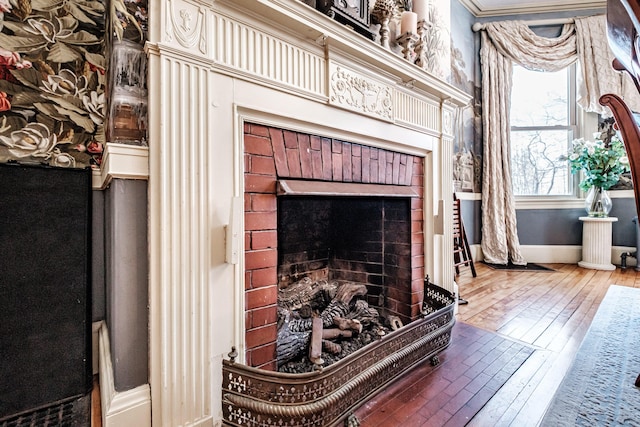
131,408
526,7
416,112
353,91
121,161
247,50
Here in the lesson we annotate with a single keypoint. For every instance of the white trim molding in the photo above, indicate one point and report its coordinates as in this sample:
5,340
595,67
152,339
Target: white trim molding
121,161
131,408
481,8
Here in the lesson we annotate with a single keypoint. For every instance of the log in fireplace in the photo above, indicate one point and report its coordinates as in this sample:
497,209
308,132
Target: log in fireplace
343,223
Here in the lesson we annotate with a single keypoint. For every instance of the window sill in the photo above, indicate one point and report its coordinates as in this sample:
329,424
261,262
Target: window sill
561,202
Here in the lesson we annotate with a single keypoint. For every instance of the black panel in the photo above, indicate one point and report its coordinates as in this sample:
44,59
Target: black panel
45,328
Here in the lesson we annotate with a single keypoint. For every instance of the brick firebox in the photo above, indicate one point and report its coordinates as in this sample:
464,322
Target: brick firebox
271,154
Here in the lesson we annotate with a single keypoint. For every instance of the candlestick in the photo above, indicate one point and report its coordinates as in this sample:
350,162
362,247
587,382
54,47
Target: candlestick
421,8
421,52
407,41
408,22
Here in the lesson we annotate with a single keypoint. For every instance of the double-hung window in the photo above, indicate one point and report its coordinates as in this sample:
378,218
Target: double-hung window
543,123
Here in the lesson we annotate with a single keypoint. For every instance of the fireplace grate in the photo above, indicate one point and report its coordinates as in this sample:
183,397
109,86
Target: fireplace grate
73,412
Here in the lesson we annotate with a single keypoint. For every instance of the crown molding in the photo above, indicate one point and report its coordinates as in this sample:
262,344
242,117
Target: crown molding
480,8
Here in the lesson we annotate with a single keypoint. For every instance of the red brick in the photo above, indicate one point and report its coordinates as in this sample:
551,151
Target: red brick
316,143
259,130
382,167
336,166
395,175
416,226
305,156
417,214
260,221
417,287
264,277
261,259
263,316
263,354
356,168
279,152
259,183
417,238
327,171
417,261
257,145
262,165
417,273
247,239
247,128
290,139
417,249
356,150
366,171
316,164
416,202
347,171
264,239
293,162
264,203
409,171
336,146
247,280
247,201
261,336
261,297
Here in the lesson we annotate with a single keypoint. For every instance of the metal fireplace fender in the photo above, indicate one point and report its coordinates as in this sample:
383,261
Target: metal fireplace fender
255,397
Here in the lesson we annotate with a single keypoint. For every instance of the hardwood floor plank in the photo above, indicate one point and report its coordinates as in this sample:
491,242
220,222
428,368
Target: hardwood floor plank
510,315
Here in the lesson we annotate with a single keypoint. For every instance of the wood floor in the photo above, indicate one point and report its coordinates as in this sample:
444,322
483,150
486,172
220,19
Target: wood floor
549,312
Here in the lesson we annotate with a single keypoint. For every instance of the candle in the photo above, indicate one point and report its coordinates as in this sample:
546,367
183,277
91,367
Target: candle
409,23
421,8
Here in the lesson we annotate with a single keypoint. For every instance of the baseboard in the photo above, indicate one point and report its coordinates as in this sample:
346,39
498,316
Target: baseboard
549,254
564,254
131,408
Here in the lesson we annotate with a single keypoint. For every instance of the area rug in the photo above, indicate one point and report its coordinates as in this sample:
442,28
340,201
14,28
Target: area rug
599,388
513,267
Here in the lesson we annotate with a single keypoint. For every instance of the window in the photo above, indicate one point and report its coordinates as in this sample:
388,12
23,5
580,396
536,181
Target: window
542,127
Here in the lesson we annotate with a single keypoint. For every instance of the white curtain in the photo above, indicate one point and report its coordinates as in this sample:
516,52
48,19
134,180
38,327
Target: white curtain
598,76
508,42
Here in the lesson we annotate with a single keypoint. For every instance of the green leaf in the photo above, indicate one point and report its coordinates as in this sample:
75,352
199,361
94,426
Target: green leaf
28,77
46,5
61,53
83,121
25,99
79,14
82,38
22,44
50,111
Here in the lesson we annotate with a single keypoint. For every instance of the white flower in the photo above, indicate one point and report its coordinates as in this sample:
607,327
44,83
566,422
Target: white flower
65,83
34,140
64,160
624,160
95,106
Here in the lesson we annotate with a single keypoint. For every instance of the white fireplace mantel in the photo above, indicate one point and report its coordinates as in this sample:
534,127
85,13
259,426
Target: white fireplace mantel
214,65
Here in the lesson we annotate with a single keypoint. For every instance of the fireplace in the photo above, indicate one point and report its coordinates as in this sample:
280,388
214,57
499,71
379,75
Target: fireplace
273,93
325,212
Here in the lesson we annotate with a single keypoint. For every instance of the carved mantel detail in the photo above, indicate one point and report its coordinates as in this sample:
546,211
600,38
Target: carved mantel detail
357,92
186,25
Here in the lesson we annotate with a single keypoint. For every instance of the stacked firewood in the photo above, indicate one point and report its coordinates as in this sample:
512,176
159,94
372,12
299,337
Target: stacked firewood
320,322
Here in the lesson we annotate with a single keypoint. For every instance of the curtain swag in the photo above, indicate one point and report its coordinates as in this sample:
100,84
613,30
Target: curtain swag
512,42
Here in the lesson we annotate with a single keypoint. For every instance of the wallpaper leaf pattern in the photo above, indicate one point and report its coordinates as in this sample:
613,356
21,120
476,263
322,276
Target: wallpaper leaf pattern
52,81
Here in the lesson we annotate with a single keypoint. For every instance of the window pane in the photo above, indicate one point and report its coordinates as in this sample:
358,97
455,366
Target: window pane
539,99
539,164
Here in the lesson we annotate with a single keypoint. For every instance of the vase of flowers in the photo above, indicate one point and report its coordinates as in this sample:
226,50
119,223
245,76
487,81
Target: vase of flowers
602,162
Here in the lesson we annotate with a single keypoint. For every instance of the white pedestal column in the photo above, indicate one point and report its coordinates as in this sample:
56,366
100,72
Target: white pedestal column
596,243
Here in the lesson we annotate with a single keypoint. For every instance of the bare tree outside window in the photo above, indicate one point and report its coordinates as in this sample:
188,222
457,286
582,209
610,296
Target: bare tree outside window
542,123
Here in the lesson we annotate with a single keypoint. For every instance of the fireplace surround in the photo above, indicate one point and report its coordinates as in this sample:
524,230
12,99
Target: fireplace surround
267,64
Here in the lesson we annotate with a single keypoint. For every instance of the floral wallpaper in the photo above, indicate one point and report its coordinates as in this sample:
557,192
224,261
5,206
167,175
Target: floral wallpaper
53,77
